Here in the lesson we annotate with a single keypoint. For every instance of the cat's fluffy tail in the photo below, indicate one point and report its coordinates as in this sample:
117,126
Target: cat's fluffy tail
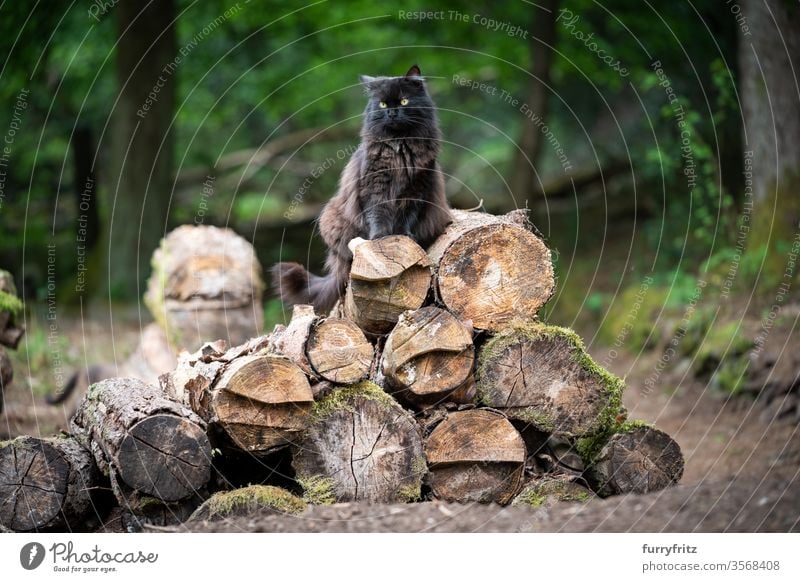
295,286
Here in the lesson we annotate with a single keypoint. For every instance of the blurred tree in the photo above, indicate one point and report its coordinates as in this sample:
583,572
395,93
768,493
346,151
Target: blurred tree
769,61
525,179
142,141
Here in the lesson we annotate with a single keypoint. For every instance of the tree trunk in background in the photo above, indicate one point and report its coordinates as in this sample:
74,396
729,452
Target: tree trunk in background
769,63
543,33
142,155
83,154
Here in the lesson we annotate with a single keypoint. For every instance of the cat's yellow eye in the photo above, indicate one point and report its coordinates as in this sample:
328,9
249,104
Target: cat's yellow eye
382,104
403,101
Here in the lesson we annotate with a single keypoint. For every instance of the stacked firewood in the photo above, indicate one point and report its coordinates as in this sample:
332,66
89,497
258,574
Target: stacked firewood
432,379
11,330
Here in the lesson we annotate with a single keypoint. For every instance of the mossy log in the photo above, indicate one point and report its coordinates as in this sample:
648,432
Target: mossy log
360,446
428,356
260,400
475,456
640,460
339,351
491,269
206,285
154,445
547,490
10,308
542,374
246,501
388,276
46,484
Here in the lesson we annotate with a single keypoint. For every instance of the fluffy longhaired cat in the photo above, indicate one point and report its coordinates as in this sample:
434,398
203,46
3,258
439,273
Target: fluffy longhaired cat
391,185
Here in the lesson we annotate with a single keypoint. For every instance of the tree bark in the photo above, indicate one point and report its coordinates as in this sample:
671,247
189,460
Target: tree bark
491,270
542,375
475,456
428,355
768,63
638,461
524,180
46,484
154,445
142,142
389,275
361,446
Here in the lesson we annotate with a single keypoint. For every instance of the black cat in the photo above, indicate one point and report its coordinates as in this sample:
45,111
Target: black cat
391,185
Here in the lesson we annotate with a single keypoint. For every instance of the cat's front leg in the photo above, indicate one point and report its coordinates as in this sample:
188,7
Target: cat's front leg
379,219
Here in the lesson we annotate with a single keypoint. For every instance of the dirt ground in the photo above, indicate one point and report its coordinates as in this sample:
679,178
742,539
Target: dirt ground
742,466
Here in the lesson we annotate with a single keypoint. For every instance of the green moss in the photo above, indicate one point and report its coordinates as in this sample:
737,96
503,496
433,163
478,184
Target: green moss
10,303
541,420
409,493
538,492
342,398
253,497
535,331
317,490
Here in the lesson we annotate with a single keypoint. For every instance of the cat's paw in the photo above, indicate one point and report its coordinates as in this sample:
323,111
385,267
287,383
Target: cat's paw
354,243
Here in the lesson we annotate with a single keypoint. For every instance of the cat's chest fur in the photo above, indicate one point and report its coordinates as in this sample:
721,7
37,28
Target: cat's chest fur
398,161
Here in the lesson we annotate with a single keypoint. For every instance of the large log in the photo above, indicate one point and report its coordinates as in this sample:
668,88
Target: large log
491,270
388,276
427,356
260,400
360,446
639,460
206,285
475,456
542,374
154,445
46,484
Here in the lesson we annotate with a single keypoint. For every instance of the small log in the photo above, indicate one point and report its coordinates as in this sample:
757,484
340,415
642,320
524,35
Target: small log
640,460
154,445
141,510
360,446
338,351
260,400
491,270
427,356
247,501
547,490
46,484
475,456
388,276
206,285
542,374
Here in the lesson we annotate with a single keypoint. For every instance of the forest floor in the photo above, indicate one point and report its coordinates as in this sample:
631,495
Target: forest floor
742,465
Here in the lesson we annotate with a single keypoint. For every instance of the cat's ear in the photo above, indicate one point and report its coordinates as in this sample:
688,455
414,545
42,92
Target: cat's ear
366,80
414,72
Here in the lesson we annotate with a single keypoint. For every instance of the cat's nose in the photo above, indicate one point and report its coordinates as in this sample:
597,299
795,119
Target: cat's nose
393,113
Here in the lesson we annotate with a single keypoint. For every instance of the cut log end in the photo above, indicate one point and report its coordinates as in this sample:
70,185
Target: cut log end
361,446
160,456
640,460
428,356
491,271
475,456
388,276
339,351
542,375
45,484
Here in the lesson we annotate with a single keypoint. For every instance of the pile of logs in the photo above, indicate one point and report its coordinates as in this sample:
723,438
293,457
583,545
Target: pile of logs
433,378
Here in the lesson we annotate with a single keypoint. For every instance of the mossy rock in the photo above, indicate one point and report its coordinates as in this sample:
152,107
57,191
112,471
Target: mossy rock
248,500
